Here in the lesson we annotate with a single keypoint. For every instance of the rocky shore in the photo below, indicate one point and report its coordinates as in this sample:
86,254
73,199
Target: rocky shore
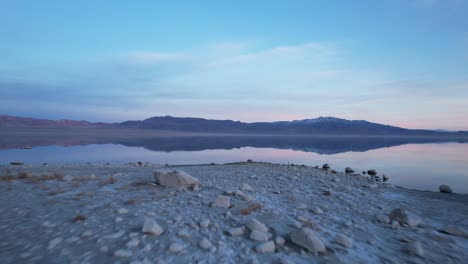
234,213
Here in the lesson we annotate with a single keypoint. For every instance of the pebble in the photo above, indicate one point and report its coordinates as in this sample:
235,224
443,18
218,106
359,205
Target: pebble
222,201
104,249
205,243
246,187
183,234
123,253
87,233
54,242
151,227
344,241
122,211
265,247
133,243
68,178
236,231
416,248
279,241
175,248
204,223
317,210
255,225
383,219
115,235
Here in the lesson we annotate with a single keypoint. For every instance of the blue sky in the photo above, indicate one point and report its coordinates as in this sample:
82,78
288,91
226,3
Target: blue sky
400,62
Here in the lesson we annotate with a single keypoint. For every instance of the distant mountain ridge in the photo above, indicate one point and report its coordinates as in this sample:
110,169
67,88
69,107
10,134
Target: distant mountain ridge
320,125
26,122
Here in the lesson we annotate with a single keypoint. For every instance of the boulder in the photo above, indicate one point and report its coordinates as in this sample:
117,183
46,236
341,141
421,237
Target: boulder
349,170
325,166
177,179
445,189
403,216
372,172
307,239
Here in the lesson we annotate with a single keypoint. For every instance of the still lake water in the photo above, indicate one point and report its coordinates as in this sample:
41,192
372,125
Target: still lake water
412,163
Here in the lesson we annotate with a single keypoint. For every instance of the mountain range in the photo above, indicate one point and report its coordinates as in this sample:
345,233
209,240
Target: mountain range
320,125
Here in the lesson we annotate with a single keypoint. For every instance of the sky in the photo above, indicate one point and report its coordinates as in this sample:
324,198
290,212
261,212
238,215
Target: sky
398,62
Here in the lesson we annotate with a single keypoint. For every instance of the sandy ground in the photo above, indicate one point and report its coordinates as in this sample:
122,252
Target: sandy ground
94,213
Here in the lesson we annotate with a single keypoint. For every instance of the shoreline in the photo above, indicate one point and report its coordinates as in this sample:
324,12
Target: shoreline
114,200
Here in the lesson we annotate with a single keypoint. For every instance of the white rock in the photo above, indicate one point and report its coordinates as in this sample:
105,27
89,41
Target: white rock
123,253
255,225
236,231
48,224
279,241
383,219
115,235
259,236
183,234
147,248
104,249
122,211
118,219
205,243
68,178
133,243
344,241
246,187
306,238
222,201
87,233
265,247
405,217
455,231
445,189
175,248
151,227
54,242
204,223
317,210
177,179
302,206
416,248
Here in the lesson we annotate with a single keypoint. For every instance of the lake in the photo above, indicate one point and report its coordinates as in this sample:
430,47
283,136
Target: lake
417,163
